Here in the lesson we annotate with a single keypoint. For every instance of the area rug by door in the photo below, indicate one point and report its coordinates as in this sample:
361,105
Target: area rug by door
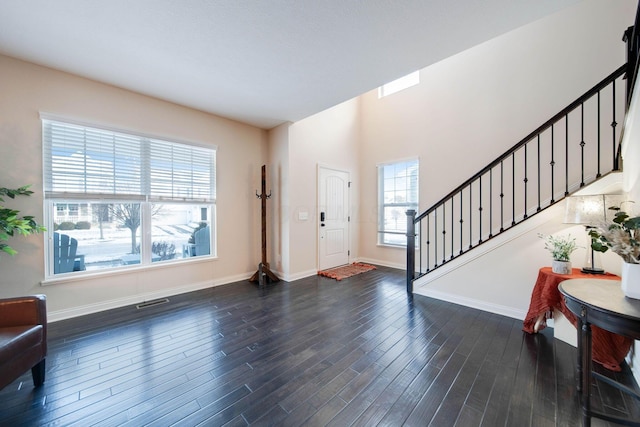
345,271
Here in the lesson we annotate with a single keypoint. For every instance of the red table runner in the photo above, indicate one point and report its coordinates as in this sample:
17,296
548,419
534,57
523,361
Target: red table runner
609,349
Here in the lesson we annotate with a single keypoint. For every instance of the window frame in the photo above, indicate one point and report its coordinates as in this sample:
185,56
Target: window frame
53,197
382,230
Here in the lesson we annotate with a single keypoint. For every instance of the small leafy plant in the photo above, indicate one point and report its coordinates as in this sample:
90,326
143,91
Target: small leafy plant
10,221
560,247
164,249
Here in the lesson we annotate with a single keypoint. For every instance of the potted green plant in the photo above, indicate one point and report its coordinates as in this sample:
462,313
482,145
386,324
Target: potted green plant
11,223
561,248
622,236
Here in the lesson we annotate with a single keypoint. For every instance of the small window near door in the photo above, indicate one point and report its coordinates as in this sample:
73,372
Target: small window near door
397,193
397,85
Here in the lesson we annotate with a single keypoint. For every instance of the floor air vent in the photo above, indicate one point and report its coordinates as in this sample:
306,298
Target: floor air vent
152,303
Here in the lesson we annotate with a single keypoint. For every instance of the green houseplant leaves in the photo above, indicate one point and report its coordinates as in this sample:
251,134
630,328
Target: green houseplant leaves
11,223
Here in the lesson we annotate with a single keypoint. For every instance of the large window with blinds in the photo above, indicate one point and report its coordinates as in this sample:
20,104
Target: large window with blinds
397,193
116,199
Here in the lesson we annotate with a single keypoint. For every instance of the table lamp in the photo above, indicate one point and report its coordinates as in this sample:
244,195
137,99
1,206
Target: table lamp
589,211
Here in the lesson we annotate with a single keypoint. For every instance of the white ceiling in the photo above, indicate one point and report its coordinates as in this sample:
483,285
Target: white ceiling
262,62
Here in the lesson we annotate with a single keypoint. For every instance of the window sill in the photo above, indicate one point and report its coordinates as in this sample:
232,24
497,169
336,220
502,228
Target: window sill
79,277
387,245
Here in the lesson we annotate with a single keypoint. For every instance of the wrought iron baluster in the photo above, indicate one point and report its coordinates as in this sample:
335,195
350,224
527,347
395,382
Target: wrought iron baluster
444,233
491,203
526,180
501,196
480,209
452,226
428,242
461,223
470,217
582,144
599,119
566,155
552,163
539,184
613,128
435,237
513,188
419,237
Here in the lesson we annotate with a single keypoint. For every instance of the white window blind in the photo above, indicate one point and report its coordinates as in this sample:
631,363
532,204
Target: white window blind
81,161
181,172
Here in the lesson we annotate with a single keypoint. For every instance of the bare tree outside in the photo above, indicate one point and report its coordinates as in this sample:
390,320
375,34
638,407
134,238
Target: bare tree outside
101,214
128,216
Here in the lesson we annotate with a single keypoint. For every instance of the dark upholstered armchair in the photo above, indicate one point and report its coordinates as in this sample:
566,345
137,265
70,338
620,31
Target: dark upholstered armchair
23,338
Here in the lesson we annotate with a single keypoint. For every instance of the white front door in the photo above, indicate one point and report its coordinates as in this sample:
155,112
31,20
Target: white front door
333,218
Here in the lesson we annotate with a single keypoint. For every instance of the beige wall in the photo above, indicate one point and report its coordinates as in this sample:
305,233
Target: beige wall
500,90
470,108
28,90
278,221
328,139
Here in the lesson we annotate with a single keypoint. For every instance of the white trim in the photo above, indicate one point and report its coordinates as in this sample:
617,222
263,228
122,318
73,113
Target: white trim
383,263
473,303
298,276
55,316
401,160
78,276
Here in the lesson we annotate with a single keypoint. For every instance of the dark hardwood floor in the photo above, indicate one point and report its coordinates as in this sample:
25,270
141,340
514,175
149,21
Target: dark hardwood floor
312,352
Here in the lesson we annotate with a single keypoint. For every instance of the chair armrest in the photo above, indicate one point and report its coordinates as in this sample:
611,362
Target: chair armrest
78,263
20,311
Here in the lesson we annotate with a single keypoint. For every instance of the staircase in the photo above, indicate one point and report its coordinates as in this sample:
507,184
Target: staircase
575,148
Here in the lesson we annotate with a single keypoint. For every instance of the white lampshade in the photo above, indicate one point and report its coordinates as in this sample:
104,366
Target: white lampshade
590,210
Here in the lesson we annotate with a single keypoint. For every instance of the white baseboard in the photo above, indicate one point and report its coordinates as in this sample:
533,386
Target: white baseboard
473,303
297,276
563,329
382,263
453,298
54,316
633,360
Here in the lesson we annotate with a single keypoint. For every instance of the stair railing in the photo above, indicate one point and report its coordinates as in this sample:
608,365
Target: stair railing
632,39
574,148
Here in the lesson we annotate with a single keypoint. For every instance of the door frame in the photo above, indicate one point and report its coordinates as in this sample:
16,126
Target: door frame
324,166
